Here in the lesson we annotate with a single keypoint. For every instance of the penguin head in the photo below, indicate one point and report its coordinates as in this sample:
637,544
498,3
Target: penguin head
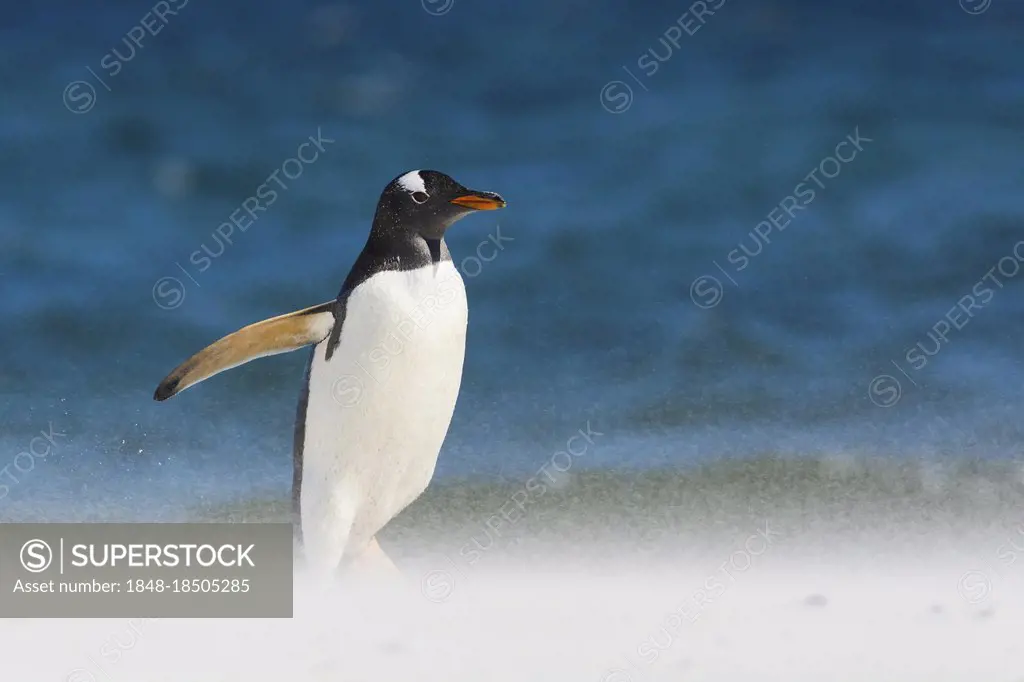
427,202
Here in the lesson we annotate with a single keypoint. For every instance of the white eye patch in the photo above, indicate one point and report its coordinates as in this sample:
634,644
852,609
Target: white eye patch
412,182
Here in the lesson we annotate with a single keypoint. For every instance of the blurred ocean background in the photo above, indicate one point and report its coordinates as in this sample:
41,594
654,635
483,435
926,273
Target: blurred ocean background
628,187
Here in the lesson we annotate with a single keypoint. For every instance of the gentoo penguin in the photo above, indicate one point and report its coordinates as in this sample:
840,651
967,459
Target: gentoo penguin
383,376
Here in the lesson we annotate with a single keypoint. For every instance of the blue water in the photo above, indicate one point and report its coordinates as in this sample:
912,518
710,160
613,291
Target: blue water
621,203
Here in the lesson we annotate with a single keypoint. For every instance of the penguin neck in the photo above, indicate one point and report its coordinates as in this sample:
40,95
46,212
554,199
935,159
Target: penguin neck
411,250
389,250
405,251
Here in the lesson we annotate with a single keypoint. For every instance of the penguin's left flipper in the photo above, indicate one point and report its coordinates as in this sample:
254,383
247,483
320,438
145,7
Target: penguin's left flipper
269,337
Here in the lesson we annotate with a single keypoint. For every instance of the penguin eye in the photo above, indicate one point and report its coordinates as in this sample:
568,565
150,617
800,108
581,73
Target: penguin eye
420,197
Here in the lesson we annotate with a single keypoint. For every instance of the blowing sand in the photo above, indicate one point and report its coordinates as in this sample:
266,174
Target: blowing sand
780,618
783,573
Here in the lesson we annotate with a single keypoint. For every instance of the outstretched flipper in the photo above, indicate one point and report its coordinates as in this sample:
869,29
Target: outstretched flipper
269,337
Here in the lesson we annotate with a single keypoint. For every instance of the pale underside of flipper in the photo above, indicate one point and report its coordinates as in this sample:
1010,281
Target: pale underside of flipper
280,334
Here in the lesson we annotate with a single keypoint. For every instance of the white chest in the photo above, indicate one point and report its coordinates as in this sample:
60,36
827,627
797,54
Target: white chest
379,409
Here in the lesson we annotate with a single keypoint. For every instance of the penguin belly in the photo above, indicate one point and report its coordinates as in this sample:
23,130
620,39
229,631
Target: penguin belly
379,409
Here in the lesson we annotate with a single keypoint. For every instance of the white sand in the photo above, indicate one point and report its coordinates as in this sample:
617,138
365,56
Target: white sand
859,614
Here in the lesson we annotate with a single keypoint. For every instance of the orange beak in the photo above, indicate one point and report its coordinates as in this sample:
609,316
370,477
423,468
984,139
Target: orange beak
480,201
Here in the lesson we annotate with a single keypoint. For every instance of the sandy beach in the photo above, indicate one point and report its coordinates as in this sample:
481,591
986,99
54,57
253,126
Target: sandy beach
772,570
733,616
